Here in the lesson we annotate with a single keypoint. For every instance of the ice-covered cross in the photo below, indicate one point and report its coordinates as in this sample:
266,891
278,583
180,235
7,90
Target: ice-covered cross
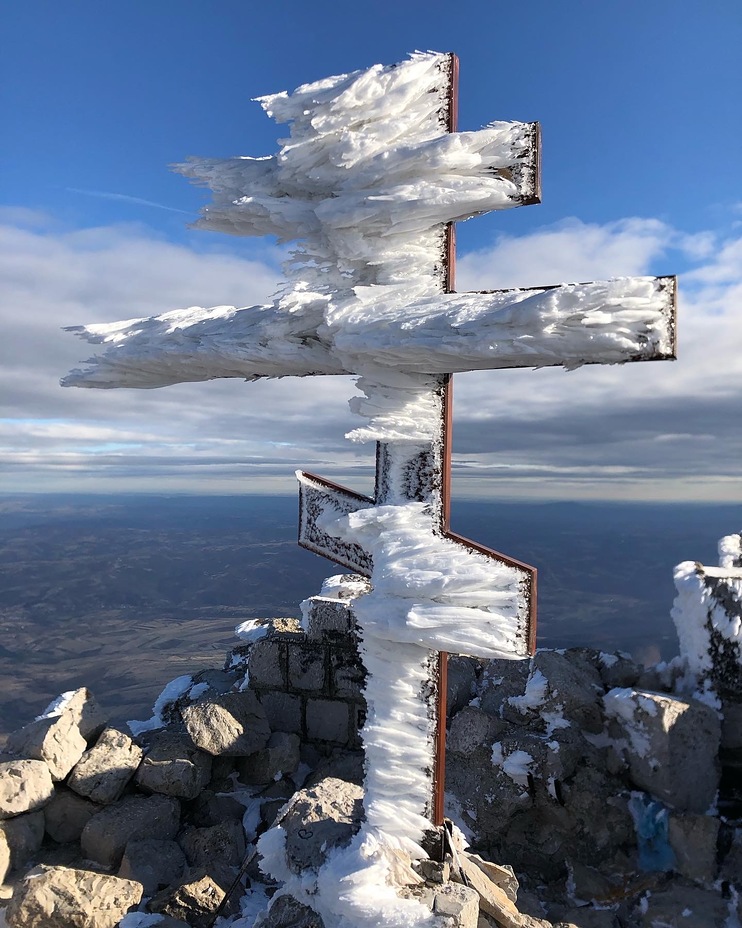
369,182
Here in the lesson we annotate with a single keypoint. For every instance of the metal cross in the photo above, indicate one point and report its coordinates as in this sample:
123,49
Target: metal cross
308,333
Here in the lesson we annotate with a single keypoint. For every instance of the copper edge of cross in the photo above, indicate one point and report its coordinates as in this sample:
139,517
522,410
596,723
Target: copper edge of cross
347,500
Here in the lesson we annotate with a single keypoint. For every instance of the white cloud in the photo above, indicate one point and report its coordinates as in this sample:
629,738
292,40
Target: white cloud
643,430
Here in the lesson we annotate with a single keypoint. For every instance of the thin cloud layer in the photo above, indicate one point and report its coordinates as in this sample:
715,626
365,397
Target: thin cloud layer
660,430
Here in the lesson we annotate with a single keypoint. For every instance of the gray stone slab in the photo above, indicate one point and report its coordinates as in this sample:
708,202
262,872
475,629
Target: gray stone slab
306,668
283,711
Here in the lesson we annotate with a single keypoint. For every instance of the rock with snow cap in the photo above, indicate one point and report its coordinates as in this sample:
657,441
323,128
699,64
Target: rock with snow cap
500,680
174,766
102,772
672,745
61,897
25,785
55,741
234,724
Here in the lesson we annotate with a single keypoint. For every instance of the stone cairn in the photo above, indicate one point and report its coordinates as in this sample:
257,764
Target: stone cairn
611,790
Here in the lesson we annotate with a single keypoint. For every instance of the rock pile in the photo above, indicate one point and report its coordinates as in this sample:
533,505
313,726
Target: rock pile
592,778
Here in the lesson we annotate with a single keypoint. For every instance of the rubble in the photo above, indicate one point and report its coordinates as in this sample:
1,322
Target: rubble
548,762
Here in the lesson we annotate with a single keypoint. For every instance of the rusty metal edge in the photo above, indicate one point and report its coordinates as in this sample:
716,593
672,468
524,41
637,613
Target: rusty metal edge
341,491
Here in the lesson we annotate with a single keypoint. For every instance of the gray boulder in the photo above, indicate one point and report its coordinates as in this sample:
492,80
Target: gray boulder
672,746
154,864
102,773
319,819
59,897
23,836
682,906
106,835
219,846
67,814
174,766
234,724
693,839
25,785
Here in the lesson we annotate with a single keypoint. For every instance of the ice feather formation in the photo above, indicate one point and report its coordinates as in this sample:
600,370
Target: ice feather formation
365,184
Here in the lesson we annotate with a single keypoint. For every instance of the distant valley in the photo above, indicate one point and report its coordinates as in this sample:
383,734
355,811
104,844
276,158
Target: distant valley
124,593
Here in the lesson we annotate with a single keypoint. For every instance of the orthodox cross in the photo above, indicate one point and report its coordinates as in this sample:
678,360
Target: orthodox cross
371,180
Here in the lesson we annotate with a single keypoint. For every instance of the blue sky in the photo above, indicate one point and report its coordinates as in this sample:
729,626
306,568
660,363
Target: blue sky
639,106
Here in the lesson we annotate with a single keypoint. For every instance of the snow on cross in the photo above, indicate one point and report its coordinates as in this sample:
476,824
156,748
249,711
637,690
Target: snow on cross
369,182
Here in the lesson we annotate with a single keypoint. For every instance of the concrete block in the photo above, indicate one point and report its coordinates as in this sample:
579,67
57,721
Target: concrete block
731,725
327,619
25,785
283,711
102,773
328,720
306,668
266,664
347,673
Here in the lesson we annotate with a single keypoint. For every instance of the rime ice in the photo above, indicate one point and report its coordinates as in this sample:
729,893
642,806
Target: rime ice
366,181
